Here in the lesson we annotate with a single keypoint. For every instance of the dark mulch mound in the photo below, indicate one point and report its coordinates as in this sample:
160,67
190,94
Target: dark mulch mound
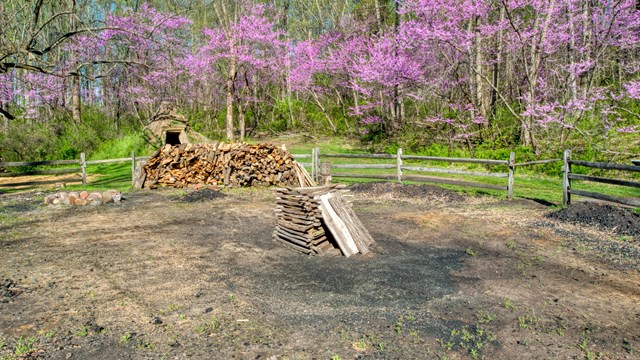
621,220
203,195
427,192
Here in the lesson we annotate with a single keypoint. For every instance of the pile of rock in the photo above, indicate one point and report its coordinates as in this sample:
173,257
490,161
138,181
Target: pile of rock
83,198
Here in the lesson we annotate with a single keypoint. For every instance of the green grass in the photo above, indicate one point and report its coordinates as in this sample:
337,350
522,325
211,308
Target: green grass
120,148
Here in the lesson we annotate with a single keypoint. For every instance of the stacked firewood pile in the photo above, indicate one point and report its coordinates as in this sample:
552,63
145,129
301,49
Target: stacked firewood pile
319,221
223,164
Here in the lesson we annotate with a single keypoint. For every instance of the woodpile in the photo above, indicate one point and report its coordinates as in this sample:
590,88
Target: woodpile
319,221
223,164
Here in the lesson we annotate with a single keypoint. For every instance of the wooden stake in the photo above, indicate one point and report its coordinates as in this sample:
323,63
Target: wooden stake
512,168
566,181
83,165
133,167
399,165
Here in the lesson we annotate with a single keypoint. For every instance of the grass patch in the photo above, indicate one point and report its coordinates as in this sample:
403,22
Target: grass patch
105,177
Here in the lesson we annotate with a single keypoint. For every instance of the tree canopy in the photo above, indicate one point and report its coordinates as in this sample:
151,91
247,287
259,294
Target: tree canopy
537,73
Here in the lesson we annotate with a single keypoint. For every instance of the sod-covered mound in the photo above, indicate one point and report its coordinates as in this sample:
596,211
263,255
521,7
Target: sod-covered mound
222,164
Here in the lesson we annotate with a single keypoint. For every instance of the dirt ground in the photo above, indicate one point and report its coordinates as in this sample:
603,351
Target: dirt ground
162,275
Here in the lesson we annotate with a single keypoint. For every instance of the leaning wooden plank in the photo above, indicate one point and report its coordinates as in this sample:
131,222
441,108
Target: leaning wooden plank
358,226
348,217
368,239
337,227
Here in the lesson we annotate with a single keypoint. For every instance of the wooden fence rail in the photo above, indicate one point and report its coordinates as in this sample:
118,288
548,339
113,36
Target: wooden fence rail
400,168
82,170
568,176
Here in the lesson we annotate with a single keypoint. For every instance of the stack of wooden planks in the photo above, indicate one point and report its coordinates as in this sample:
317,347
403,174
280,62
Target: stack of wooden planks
318,221
224,164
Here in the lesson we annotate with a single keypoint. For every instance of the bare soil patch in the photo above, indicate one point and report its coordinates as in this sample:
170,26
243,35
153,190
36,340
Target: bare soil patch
156,276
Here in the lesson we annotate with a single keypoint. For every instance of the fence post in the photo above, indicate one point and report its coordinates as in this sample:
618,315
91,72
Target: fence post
133,167
83,166
313,163
566,182
317,164
399,165
325,174
512,169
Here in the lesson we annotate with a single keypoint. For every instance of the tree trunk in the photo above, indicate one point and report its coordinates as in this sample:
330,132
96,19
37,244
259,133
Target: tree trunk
76,105
231,75
324,111
479,86
528,138
376,4
573,81
496,66
397,99
241,123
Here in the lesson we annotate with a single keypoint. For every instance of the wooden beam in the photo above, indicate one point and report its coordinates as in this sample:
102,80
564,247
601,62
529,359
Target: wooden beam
108,161
29,183
606,166
451,171
39,163
366,156
363,176
605,180
537,162
363,166
461,160
40,172
436,180
620,200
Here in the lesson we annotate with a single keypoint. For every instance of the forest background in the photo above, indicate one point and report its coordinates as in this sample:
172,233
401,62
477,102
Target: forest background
436,77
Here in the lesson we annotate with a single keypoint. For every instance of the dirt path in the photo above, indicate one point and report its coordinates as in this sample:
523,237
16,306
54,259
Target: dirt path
159,276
